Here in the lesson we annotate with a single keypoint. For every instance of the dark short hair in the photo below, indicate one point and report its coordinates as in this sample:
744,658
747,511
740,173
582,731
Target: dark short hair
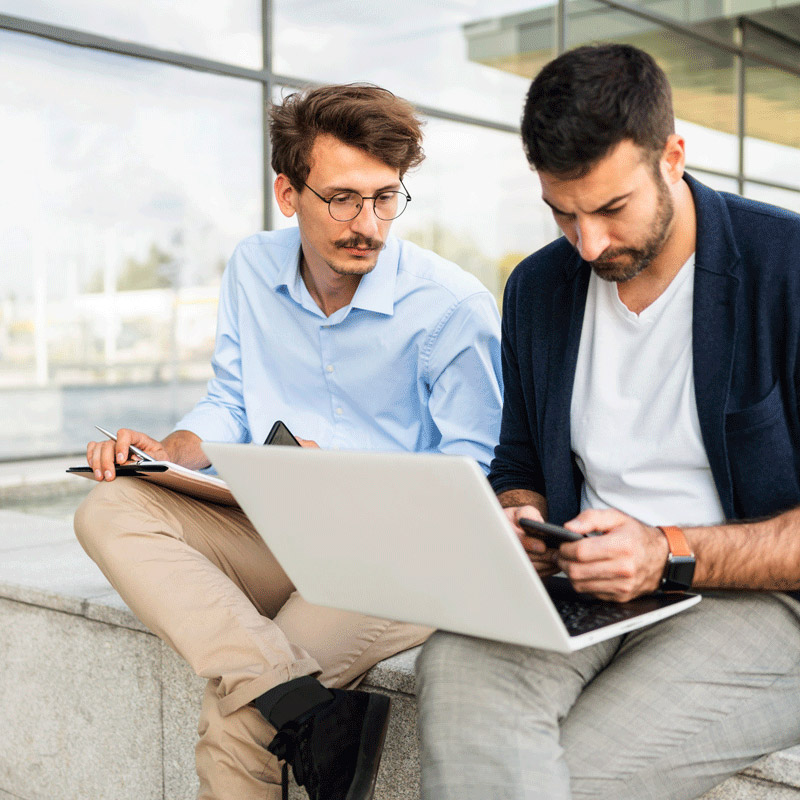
588,100
361,115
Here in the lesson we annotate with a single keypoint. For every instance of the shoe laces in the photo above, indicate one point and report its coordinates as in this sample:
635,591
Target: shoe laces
290,745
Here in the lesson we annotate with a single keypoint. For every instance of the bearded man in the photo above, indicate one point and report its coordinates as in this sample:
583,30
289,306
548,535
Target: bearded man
651,361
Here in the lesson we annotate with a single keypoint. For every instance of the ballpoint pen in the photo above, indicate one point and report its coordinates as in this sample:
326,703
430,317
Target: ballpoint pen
144,456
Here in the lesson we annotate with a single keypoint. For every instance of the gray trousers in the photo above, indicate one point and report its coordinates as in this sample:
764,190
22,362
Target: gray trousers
665,712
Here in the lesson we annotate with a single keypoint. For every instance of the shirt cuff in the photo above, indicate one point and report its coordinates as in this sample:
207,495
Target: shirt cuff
213,425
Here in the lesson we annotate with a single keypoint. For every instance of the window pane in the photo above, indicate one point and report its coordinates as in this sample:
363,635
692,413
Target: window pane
718,182
447,55
703,79
476,202
772,124
126,186
774,34
775,197
222,30
711,19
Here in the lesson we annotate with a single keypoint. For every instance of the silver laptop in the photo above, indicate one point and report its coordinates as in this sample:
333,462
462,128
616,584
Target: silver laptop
417,538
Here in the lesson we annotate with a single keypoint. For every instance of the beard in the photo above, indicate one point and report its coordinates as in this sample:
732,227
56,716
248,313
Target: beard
623,263
363,265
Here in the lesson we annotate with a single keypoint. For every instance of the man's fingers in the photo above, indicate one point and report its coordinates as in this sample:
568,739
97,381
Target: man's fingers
122,448
590,549
544,566
613,591
100,456
596,519
93,459
534,546
606,570
516,513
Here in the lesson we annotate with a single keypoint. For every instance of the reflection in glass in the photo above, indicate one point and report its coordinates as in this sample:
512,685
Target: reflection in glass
774,34
126,186
710,19
772,124
775,197
430,53
476,201
222,30
703,78
717,182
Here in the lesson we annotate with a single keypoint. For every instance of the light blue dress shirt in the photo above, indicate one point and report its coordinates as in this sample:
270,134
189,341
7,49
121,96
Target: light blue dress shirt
412,363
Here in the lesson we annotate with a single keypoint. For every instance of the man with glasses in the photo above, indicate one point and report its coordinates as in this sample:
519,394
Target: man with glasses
357,340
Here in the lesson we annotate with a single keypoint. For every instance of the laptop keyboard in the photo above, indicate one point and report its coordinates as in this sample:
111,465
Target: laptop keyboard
582,613
582,616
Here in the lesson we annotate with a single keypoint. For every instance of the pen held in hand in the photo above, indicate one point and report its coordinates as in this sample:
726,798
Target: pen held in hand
144,456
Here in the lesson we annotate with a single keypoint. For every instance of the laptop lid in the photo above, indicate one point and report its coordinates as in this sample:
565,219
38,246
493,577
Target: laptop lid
407,536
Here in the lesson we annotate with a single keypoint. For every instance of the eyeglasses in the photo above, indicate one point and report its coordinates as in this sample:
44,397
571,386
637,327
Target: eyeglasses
344,206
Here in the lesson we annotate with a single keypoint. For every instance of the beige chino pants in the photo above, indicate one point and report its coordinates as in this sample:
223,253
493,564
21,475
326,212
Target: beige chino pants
200,577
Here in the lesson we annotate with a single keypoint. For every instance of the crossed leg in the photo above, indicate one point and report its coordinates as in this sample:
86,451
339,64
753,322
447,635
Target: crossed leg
201,578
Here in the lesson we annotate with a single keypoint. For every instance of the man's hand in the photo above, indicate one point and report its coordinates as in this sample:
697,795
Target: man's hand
307,443
627,561
542,558
104,456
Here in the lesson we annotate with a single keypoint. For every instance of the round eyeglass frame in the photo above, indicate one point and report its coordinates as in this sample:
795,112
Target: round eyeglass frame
328,202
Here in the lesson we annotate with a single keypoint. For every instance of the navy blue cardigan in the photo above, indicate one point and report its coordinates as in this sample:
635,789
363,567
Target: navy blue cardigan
746,334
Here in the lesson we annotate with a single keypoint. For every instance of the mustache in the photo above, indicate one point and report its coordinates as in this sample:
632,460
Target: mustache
361,241
609,255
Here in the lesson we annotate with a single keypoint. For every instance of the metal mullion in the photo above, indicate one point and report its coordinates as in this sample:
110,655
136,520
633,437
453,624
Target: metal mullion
266,100
561,26
741,110
265,75
268,79
428,111
771,33
107,44
712,41
772,184
735,176
719,173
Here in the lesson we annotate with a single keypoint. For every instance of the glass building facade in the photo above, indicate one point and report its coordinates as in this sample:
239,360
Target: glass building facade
134,155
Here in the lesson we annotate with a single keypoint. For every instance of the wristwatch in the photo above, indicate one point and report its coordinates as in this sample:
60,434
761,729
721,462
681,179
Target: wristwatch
679,570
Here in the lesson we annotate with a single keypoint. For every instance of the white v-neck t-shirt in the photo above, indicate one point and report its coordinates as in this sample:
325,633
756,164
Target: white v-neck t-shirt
635,430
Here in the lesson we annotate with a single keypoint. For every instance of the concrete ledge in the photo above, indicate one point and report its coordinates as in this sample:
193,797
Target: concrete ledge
94,707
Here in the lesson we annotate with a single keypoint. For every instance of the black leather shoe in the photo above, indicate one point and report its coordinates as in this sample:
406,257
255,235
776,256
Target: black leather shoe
334,748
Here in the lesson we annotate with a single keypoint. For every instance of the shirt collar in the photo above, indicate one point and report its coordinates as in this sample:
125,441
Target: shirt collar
288,273
375,291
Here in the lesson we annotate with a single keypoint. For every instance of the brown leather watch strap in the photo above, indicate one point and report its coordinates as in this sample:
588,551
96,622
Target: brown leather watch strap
678,546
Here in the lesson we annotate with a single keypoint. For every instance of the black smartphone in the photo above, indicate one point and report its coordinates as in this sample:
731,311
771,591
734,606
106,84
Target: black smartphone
280,434
551,535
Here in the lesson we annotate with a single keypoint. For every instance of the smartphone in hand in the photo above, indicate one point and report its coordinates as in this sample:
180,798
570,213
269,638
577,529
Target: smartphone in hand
280,434
552,535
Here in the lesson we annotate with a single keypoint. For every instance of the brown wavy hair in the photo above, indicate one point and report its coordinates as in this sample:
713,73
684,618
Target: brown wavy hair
360,115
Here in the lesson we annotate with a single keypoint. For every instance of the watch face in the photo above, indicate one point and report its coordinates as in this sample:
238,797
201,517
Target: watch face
680,571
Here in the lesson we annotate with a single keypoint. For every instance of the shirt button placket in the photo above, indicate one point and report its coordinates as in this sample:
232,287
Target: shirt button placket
326,352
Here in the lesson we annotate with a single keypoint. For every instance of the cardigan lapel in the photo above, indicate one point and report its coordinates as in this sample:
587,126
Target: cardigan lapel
714,329
566,321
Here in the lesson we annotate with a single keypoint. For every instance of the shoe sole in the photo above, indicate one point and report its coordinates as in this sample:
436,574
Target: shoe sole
370,748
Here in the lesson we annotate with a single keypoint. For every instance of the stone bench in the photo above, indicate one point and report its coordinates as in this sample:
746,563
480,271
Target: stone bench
94,707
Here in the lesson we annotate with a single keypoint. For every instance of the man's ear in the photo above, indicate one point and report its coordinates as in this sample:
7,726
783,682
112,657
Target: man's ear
673,159
285,195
